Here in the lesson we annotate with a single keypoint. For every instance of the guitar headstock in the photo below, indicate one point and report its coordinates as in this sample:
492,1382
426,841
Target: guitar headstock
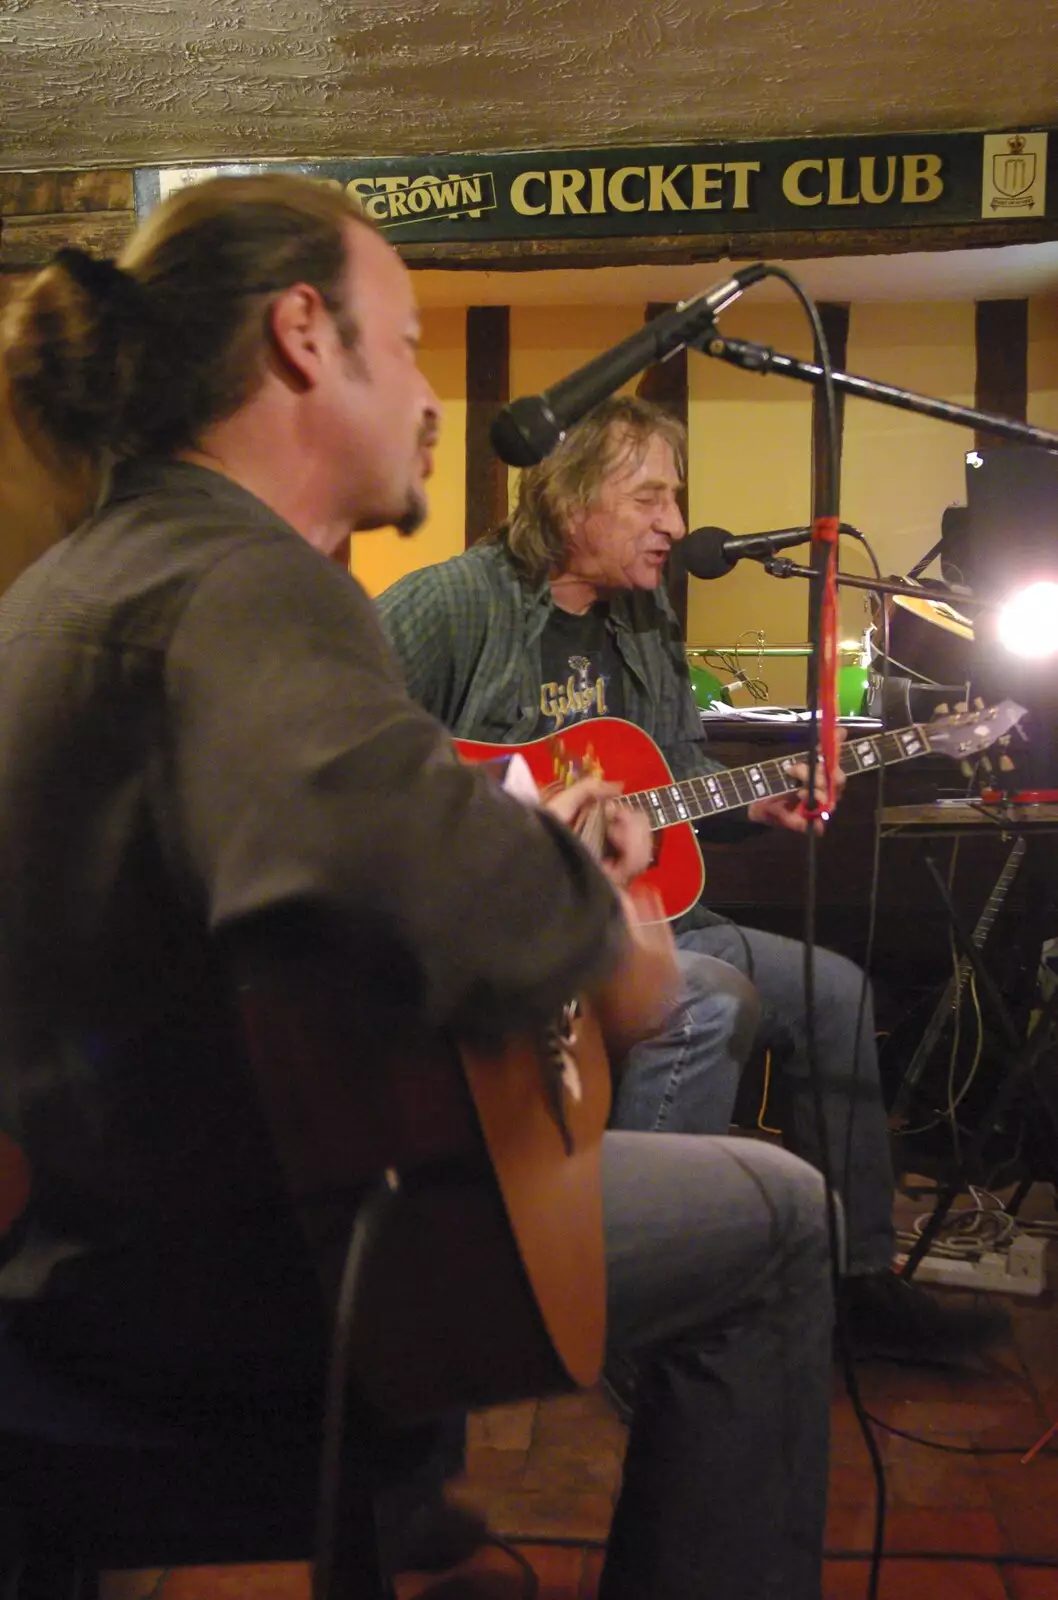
971,731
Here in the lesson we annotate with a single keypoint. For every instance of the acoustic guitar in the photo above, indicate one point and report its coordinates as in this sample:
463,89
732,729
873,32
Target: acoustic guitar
928,638
617,749
488,1282
485,1281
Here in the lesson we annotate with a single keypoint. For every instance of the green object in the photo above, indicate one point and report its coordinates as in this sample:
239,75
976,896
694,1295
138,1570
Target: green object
853,687
707,689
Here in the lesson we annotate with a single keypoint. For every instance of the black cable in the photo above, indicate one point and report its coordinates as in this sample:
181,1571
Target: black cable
530,1579
158,1586
830,508
959,1449
1009,1558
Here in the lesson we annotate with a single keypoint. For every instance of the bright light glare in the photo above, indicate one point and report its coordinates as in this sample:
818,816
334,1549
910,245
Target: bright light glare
1028,622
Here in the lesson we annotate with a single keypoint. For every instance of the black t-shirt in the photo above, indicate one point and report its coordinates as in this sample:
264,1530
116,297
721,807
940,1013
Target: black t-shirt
580,670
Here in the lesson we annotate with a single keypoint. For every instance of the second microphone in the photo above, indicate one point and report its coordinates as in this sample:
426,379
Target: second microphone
713,552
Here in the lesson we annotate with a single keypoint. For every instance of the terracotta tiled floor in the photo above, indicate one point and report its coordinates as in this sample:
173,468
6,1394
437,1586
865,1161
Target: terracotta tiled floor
547,1471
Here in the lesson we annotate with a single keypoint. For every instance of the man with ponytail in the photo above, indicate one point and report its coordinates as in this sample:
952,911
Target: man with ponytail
208,757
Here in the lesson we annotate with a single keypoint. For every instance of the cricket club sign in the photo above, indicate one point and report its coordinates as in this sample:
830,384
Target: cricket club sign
896,181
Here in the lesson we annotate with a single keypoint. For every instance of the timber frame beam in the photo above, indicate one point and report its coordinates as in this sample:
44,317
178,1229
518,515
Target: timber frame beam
42,211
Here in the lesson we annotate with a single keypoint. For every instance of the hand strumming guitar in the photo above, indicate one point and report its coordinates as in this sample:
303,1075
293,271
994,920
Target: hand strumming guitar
636,1000
618,836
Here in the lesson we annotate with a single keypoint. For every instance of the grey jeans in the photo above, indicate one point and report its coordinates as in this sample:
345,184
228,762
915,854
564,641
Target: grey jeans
685,1080
719,1283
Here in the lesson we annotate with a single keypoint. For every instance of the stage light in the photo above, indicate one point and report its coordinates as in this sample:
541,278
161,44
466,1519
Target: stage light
1027,624
1007,552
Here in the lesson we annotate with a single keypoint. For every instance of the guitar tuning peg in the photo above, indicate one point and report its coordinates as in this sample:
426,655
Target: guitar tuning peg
961,706
979,704
942,710
1005,764
966,768
986,764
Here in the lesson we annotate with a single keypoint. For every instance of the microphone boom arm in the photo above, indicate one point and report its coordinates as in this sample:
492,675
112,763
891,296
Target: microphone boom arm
763,359
528,428
783,567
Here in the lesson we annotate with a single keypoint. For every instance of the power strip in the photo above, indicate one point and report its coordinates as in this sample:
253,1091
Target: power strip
1020,1269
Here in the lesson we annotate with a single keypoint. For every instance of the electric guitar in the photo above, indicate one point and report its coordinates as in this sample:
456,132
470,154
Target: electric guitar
614,748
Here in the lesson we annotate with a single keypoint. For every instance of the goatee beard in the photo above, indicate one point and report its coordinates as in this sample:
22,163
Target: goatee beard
414,516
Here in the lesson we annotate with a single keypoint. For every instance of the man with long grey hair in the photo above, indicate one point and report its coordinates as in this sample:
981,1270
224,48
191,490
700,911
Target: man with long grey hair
562,616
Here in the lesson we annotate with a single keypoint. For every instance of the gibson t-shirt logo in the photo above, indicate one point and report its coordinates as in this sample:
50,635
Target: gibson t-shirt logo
583,695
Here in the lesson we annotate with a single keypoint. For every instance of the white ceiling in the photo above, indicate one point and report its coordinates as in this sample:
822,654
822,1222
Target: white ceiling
105,83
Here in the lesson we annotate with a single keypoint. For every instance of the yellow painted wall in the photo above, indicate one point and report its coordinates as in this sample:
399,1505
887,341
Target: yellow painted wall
550,342
900,470
749,469
379,559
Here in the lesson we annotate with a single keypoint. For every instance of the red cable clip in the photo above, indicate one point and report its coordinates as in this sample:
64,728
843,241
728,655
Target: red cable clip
825,533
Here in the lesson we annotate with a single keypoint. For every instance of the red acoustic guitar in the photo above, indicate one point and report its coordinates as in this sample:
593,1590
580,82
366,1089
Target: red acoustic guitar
619,750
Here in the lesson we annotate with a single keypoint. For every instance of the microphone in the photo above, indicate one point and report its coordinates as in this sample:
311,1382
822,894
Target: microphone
712,552
528,429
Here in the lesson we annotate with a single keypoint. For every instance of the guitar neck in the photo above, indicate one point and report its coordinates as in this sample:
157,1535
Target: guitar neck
988,915
730,788
999,893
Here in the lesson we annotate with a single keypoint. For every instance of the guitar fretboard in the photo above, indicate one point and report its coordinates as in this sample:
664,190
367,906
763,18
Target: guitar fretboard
999,893
731,787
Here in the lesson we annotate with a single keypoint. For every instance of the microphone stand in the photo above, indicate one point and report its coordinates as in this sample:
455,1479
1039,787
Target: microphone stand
763,359
783,567
1025,1068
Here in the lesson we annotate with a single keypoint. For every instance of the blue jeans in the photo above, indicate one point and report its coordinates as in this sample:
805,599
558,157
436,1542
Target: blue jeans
685,1080
719,1284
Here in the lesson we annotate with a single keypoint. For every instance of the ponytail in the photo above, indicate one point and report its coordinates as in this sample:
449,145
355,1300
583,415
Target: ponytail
107,360
71,342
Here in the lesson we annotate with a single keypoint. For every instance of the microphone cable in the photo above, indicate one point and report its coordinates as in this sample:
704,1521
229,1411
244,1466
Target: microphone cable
829,515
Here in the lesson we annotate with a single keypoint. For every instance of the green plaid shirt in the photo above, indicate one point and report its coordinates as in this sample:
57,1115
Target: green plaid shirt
468,630
468,634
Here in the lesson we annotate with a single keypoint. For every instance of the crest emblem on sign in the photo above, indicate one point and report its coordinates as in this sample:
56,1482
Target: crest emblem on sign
1014,169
